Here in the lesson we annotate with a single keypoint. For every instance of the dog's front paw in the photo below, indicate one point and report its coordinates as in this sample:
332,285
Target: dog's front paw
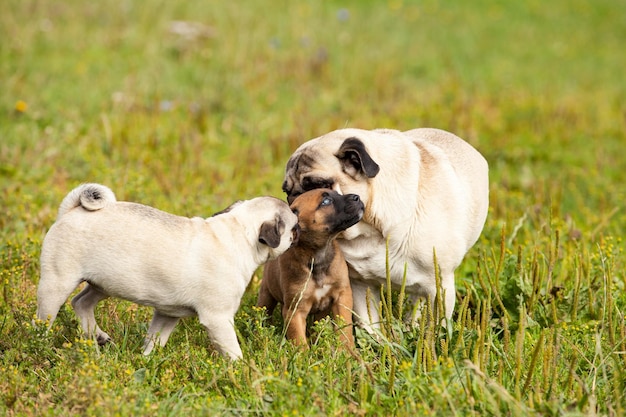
102,338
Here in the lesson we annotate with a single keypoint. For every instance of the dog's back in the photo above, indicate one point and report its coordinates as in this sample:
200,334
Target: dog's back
472,168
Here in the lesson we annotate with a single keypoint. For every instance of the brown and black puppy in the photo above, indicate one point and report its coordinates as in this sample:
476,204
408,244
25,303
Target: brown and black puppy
312,276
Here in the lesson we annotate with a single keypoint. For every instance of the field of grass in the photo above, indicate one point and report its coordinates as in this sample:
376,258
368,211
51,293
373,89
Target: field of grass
188,106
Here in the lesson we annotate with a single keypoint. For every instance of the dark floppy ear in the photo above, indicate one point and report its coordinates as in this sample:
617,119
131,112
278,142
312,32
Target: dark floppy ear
355,158
270,232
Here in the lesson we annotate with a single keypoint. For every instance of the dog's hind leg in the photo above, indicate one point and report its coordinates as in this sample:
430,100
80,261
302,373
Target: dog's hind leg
441,301
266,300
449,294
84,305
159,331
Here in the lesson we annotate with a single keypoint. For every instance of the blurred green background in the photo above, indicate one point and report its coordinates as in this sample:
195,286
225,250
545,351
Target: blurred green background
190,105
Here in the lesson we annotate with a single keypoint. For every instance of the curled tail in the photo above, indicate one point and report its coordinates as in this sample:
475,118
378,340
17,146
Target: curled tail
88,196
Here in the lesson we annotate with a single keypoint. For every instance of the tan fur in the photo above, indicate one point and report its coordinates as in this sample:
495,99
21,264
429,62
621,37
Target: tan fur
429,195
180,266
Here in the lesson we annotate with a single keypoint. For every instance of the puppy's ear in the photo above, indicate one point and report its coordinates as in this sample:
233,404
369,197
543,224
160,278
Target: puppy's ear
355,158
270,232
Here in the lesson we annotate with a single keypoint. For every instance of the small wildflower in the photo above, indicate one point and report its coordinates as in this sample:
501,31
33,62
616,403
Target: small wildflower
21,106
343,15
166,105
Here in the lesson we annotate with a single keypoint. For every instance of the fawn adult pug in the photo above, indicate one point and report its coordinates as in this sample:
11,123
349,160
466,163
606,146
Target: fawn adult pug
179,266
426,193
312,276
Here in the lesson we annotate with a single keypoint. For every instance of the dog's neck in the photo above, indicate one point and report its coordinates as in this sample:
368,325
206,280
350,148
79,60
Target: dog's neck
227,225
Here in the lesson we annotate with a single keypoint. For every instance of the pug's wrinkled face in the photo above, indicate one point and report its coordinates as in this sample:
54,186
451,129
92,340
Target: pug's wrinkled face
340,164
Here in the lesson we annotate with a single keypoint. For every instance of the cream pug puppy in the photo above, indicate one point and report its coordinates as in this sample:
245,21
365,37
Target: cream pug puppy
179,266
425,191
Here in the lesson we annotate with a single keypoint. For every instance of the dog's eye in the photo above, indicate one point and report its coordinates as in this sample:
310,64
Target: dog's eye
326,201
312,183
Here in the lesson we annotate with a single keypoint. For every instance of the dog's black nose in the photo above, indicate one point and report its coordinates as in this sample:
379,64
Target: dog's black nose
354,197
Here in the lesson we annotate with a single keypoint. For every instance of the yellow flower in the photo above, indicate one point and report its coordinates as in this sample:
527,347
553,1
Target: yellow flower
21,106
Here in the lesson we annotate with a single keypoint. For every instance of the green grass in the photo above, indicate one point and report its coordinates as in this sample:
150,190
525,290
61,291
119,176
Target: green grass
105,92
